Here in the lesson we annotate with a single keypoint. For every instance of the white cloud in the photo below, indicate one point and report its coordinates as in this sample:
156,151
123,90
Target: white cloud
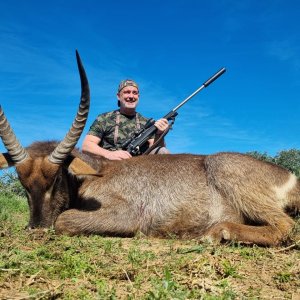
286,51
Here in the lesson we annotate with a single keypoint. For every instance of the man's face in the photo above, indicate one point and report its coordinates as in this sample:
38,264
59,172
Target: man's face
128,97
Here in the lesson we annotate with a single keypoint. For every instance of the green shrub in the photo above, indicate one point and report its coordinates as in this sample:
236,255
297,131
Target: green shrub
10,184
288,159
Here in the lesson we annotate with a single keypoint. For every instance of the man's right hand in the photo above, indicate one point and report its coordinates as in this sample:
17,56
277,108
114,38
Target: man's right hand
117,155
91,145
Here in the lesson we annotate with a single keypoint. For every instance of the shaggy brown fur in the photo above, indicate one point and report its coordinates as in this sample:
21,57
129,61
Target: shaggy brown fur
226,196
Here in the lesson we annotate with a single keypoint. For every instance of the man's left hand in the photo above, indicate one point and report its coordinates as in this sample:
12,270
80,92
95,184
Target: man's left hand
161,125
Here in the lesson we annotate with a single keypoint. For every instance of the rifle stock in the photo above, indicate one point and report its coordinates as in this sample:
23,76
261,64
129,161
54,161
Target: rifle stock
132,145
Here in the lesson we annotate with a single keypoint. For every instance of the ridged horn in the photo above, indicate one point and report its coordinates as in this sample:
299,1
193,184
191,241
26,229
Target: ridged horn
64,148
15,150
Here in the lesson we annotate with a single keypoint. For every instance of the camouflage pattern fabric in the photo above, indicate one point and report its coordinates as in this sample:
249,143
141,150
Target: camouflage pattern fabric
127,82
104,128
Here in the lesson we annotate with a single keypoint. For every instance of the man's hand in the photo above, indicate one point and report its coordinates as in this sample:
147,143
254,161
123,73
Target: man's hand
117,155
91,145
161,125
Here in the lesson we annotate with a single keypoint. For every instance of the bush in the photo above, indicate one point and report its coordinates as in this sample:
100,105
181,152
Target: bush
10,184
288,159
261,156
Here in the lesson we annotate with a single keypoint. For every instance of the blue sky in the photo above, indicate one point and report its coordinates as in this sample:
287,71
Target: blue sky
170,48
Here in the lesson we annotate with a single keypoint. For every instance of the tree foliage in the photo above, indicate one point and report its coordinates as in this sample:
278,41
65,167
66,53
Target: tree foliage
10,184
261,156
288,159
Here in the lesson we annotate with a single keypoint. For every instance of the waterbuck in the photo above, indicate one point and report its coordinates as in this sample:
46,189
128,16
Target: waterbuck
226,196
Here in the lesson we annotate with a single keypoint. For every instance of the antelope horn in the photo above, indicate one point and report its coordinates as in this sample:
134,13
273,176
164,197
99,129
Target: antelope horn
17,153
64,148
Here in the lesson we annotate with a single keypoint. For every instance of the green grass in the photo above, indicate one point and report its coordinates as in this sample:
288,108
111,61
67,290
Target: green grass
43,265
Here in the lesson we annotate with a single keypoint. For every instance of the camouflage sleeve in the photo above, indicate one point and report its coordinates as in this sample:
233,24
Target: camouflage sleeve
98,127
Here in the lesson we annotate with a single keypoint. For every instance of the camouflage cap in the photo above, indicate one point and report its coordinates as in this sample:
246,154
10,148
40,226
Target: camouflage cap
127,82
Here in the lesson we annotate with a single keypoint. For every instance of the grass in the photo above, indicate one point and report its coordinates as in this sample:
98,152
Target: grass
42,265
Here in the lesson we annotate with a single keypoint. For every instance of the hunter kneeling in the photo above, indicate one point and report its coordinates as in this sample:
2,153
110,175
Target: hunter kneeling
109,132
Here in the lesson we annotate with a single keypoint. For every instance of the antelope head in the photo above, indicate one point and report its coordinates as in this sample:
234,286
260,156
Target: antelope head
42,176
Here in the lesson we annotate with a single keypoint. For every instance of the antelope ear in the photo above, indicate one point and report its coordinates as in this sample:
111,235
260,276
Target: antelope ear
79,167
5,161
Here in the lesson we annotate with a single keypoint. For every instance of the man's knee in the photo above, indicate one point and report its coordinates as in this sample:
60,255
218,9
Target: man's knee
160,150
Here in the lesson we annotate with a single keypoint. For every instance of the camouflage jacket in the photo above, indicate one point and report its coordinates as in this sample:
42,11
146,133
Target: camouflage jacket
104,127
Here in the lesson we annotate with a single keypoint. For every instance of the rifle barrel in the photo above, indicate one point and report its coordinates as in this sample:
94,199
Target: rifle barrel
204,85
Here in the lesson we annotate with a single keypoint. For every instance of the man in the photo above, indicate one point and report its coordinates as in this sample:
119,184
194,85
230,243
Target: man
110,130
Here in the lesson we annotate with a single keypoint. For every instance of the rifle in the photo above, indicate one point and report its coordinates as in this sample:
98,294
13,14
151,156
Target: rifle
133,144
